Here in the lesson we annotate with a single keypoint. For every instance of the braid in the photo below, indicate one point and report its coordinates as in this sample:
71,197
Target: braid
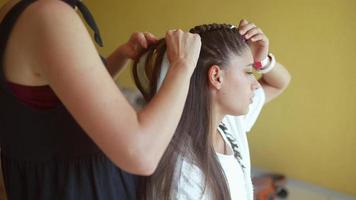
219,41
201,29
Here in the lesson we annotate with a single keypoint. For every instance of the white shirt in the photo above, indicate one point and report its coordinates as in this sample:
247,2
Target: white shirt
191,181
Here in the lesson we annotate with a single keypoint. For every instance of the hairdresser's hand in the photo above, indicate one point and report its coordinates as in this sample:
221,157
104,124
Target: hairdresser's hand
183,48
137,43
256,39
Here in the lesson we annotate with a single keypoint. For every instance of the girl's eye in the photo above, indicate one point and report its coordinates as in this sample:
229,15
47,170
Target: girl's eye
249,73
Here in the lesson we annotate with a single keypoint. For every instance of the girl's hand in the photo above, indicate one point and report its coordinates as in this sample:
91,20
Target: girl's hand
137,43
256,39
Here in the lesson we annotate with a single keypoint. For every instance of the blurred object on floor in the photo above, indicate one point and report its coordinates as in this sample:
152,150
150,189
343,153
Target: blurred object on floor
300,190
269,186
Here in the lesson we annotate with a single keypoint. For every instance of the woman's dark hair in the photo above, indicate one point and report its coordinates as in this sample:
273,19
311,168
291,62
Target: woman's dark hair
192,140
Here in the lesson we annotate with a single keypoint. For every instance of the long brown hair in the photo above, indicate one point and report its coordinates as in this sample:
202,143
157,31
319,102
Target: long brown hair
192,140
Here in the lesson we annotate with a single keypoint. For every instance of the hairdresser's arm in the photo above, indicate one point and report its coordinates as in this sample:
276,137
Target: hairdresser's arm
130,50
67,56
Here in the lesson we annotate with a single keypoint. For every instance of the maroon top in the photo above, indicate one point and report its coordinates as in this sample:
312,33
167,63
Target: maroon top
40,97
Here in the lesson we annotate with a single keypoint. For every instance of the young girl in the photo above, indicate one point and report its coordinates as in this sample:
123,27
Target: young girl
208,157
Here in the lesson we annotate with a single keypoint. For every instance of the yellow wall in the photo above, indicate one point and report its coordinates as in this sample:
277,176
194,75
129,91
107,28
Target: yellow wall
309,133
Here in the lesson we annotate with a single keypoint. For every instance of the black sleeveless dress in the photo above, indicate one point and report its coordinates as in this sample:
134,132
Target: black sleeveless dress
45,154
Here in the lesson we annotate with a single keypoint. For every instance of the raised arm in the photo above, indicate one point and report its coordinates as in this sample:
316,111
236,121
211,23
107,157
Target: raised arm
276,80
129,50
69,61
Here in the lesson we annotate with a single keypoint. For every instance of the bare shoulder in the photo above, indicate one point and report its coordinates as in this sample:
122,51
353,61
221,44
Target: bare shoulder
43,6
47,11
41,9
55,18
37,26
59,33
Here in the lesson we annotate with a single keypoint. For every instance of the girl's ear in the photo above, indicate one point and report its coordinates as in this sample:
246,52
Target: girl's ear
215,77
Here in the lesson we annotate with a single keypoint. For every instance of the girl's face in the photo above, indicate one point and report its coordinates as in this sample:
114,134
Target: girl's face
238,85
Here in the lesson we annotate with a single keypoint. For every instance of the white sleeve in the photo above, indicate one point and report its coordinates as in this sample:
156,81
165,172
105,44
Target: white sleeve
254,109
190,184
